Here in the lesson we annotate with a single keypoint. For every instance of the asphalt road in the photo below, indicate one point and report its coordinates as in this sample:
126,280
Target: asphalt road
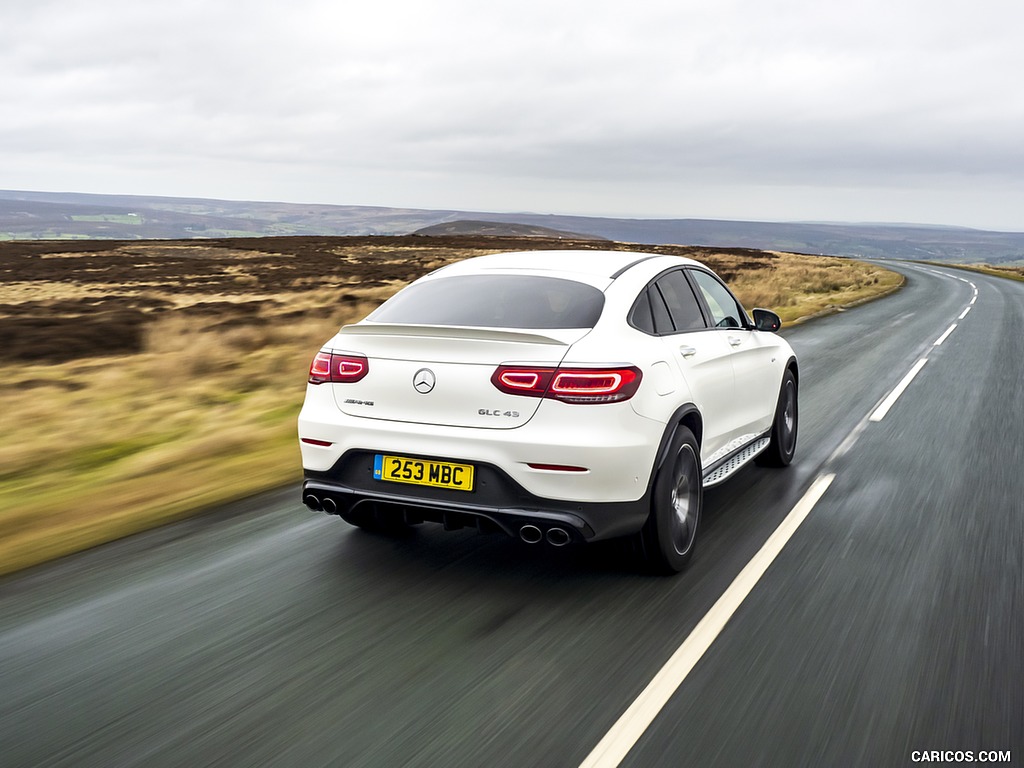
892,622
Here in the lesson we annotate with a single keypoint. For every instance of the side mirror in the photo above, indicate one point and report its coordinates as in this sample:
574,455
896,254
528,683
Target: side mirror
766,320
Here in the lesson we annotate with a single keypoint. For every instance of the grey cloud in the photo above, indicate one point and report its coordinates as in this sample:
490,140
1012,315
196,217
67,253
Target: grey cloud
511,102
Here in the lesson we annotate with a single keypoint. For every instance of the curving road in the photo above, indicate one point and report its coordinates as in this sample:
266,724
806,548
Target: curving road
890,622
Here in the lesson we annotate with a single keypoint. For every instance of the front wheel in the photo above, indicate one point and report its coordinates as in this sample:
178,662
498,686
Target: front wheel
780,450
668,537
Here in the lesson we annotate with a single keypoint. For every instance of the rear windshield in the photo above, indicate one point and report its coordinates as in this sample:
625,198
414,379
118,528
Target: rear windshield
495,301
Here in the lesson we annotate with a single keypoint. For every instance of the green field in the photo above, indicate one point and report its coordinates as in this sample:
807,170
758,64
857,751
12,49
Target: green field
110,218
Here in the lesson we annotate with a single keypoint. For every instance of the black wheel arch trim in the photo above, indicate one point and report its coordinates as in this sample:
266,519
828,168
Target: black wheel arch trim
794,366
684,416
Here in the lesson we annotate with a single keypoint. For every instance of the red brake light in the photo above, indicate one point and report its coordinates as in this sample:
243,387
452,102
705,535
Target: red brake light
599,383
518,380
337,369
570,385
320,368
346,368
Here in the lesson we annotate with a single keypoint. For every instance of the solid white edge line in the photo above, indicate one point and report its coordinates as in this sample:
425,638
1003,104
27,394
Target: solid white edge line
628,729
888,403
964,313
943,337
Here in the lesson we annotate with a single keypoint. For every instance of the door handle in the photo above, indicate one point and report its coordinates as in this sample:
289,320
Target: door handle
734,342
687,352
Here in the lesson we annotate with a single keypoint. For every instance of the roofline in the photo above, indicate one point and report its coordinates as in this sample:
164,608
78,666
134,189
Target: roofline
647,257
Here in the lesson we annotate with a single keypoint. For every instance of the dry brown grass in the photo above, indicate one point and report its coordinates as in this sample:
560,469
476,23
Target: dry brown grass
98,449
102,447
799,287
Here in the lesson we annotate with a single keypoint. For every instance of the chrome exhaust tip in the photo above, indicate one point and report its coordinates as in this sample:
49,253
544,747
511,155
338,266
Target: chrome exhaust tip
330,506
313,503
558,537
531,534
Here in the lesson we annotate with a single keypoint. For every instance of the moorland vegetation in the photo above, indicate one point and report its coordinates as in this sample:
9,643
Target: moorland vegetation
142,381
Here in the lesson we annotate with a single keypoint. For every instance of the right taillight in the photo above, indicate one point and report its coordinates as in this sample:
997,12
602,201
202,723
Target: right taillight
334,368
570,385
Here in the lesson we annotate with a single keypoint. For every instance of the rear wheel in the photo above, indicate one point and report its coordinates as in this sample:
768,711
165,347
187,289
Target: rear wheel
780,450
668,537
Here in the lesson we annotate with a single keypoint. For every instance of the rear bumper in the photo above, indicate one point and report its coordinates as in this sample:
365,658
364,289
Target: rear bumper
497,502
615,445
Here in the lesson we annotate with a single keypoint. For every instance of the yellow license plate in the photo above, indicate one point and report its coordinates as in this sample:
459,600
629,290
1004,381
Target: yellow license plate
439,474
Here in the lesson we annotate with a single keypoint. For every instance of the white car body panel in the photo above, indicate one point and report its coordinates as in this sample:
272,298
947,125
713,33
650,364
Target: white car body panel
758,362
704,360
617,471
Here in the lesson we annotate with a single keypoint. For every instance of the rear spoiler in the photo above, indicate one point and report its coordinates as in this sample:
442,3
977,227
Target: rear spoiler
568,335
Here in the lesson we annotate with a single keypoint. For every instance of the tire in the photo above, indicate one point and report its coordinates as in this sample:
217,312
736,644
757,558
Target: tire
667,539
782,447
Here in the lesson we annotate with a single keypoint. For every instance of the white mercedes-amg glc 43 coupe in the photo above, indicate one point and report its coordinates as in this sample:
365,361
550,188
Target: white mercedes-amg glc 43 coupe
558,396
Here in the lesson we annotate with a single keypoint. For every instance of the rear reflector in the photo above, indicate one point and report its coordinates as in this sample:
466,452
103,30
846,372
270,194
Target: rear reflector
337,369
570,385
311,441
557,467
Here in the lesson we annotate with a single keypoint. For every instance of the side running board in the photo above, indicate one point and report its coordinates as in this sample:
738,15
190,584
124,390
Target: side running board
726,468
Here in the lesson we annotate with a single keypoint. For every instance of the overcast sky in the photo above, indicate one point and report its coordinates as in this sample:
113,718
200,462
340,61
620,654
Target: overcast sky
870,110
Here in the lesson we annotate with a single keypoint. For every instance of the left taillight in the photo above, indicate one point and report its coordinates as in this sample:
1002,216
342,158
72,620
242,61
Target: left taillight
334,368
570,385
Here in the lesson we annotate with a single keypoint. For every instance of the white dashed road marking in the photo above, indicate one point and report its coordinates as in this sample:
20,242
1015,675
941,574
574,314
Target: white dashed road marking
943,337
890,401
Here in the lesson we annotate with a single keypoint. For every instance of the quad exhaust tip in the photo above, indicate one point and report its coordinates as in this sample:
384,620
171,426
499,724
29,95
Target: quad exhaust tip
557,537
531,534
327,504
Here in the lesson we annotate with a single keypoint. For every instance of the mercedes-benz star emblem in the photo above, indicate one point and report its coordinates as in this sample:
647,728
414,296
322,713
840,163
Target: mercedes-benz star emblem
423,380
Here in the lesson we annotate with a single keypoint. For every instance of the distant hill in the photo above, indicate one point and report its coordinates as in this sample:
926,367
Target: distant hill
886,241
66,215
471,227
61,215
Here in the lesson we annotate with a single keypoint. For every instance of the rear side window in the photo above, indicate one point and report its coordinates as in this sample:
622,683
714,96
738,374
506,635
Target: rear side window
495,301
682,303
667,305
640,315
662,319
